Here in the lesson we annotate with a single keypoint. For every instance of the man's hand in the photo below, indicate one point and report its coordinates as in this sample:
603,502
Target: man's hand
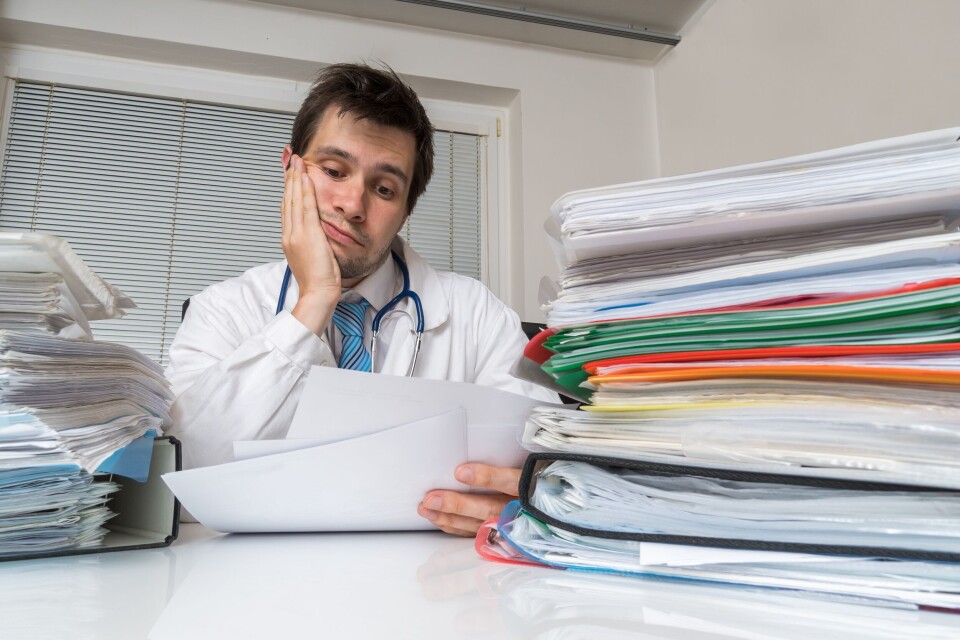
462,513
308,252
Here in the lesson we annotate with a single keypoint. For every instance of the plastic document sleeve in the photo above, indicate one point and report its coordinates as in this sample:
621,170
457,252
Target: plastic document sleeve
148,514
537,463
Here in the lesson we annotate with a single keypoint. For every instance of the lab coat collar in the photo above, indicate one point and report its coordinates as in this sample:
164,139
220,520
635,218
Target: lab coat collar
383,284
378,288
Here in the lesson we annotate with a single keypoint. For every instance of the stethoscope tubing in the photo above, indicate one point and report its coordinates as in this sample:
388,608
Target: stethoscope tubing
405,292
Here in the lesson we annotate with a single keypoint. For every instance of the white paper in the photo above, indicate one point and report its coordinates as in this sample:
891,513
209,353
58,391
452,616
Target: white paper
41,253
879,180
622,241
247,449
368,483
338,404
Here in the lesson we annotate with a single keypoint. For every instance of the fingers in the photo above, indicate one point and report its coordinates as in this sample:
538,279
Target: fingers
296,210
286,205
311,214
461,513
309,255
290,212
483,476
299,207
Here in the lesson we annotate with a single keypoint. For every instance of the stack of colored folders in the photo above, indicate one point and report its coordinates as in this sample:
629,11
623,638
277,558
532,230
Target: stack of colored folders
73,410
770,361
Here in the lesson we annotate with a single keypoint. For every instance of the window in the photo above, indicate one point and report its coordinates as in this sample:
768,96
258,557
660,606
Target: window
163,197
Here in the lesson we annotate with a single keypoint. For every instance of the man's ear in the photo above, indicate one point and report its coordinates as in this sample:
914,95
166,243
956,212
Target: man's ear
285,158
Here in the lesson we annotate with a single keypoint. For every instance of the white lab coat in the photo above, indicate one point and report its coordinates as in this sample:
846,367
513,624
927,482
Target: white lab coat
238,370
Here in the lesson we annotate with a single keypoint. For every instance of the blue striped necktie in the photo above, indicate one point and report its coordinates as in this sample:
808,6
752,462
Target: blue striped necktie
348,317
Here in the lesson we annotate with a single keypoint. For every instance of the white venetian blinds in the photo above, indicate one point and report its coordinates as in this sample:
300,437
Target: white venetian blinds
163,197
445,227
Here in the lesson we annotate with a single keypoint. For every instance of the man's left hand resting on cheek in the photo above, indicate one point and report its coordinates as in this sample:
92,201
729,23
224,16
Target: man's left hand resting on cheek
462,513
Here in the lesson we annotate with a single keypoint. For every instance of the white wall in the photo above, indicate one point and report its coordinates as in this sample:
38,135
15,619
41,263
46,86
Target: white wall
573,120
759,79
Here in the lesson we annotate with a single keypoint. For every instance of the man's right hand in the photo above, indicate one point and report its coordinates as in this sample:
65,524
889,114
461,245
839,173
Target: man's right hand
308,252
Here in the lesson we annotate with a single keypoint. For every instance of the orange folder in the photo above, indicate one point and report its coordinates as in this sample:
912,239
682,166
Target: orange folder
793,371
812,351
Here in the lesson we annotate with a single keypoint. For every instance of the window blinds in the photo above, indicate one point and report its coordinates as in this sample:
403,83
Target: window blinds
163,197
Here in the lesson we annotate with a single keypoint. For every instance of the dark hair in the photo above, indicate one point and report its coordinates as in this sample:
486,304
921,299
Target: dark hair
377,95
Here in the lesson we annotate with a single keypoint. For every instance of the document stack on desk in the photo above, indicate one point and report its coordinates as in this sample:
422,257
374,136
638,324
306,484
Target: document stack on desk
70,406
771,356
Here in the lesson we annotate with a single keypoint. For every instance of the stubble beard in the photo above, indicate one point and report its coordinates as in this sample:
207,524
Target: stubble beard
361,266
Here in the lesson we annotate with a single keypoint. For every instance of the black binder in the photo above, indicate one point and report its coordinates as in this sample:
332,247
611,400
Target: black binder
148,514
537,461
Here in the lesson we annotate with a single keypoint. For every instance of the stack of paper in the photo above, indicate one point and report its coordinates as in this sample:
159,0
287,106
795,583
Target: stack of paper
68,407
864,183
47,287
771,358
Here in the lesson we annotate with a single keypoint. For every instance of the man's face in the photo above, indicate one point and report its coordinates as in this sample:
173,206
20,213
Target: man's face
361,172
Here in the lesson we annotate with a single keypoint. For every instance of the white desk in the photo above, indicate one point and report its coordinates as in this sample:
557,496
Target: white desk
399,585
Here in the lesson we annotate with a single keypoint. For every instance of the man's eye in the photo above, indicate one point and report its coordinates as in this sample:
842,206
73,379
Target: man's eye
385,192
333,173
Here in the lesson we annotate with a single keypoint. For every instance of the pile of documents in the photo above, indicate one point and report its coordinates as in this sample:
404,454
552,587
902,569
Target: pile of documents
69,405
771,360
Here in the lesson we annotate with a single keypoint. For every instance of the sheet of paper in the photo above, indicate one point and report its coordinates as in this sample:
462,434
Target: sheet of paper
368,483
247,449
337,404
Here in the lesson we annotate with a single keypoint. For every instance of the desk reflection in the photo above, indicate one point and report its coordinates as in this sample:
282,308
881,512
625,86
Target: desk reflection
570,605
350,585
109,596
420,585
548,604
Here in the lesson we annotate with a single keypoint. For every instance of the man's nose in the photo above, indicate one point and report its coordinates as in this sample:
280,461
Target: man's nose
350,200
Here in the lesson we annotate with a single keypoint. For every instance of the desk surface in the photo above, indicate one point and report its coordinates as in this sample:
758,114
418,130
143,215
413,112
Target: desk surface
396,585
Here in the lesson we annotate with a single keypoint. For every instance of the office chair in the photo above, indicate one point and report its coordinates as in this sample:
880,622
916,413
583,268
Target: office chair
532,328
183,309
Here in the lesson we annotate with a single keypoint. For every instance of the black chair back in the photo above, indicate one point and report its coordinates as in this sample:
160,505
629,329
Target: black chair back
532,328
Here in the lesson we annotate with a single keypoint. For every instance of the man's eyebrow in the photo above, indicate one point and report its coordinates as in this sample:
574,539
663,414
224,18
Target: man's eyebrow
335,151
394,170
384,167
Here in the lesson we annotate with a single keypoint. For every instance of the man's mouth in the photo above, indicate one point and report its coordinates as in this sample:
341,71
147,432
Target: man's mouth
337,235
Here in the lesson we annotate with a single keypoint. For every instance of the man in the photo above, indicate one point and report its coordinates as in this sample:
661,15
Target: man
360,155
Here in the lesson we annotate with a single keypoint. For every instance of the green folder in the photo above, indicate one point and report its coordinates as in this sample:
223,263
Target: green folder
916,317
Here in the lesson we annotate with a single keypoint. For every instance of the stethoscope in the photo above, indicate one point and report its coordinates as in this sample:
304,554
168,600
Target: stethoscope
390,307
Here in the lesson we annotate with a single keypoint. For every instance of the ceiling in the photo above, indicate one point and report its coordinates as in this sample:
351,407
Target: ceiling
656,16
